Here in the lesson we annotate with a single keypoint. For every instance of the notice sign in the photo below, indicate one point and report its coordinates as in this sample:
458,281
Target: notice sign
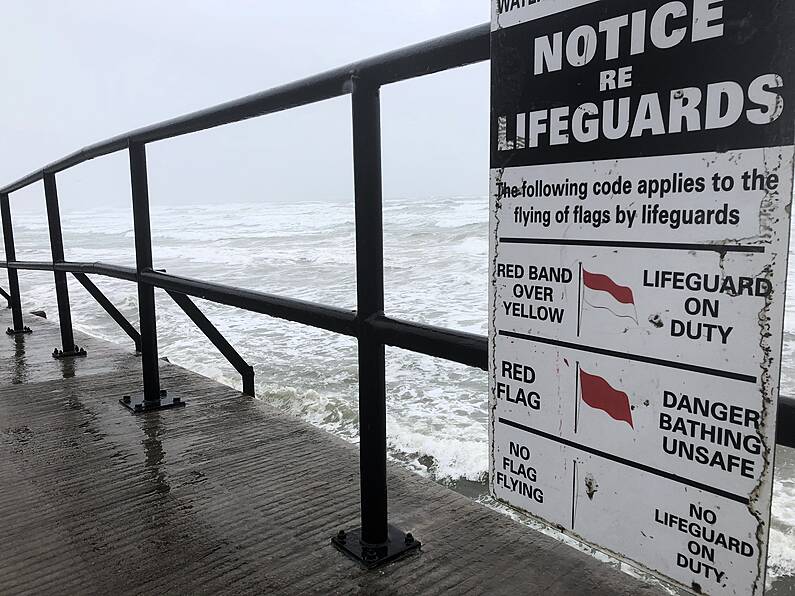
641,183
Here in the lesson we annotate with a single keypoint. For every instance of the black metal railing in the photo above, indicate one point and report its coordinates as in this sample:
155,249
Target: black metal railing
368,323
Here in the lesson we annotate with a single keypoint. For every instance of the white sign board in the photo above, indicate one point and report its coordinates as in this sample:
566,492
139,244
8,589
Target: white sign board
641,182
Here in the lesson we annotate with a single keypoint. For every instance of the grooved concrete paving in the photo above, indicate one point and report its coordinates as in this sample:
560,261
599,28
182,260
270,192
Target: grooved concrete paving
227,495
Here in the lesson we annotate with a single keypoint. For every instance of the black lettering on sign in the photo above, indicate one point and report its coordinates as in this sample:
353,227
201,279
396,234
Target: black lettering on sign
699,331
703,531
533,312
711,283
519,476
521,373
510,270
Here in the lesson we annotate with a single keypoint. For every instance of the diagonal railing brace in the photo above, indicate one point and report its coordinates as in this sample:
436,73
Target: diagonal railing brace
6,295
114,313
218,340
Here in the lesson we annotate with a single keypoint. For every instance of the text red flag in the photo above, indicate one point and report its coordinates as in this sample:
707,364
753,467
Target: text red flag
599,281
597,393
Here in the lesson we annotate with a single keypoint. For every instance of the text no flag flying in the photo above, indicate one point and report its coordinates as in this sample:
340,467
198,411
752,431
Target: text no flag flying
599,394
603,292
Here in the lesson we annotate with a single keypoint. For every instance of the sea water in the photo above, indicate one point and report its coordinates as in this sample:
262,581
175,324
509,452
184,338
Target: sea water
436,272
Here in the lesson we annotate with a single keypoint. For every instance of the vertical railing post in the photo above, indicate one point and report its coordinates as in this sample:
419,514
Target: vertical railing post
143,261
68,347
370,301
153,397
13,276
376,542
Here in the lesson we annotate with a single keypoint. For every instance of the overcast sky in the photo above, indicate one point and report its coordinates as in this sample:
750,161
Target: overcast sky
78,72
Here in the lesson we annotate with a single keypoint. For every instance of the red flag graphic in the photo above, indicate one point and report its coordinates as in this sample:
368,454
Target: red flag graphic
597,393
599,281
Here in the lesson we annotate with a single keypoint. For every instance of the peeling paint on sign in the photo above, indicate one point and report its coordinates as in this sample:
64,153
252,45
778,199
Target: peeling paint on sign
642,175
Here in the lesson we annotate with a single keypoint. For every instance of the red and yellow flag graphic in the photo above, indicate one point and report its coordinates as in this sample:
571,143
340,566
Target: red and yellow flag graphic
602,292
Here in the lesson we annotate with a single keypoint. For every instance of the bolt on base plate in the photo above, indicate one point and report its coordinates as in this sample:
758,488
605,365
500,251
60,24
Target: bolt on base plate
78,352
399,545
138,405
25,329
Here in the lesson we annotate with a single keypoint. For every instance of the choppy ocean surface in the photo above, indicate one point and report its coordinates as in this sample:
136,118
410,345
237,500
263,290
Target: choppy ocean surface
435,272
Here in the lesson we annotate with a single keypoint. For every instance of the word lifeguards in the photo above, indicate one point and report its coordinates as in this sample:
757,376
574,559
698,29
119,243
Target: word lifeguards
690,109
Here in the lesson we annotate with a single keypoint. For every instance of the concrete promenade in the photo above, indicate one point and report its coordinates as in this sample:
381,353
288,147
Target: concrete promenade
225,496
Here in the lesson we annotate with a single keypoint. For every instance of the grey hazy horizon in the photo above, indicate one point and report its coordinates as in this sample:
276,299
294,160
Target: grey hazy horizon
76,73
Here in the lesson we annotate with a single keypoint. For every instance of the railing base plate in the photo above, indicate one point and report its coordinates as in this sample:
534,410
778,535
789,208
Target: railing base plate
138,405
78,352
398,546
22,331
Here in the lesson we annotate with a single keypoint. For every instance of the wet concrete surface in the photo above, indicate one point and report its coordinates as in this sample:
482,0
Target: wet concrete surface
226,495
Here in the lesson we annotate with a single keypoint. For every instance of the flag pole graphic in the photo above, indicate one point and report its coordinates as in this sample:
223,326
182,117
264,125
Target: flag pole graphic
576,396
579,298
573,493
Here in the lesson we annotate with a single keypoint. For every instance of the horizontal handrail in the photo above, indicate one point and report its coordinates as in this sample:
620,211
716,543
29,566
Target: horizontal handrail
329,318
443,53
28,265
116,271
457,346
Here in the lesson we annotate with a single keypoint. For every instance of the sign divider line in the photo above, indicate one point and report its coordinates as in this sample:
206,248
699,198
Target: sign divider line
579,298
721,248
576,397
632,464
715,372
